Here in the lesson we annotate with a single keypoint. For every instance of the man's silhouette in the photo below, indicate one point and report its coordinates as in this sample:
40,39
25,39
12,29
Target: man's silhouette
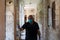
32,29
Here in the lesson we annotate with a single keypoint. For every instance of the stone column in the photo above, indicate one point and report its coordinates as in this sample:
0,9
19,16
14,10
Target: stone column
40,18
9,20
2,20
45,26
58,18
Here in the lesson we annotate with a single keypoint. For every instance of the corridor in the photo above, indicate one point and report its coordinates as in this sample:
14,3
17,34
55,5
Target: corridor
14,13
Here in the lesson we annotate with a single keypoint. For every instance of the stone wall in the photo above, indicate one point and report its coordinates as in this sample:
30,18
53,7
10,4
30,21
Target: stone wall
58,18
54,34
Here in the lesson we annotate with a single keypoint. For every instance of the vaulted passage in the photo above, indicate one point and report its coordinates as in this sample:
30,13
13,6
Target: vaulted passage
15,13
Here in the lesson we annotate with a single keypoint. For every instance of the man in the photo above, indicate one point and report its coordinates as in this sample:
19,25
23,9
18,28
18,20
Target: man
32,29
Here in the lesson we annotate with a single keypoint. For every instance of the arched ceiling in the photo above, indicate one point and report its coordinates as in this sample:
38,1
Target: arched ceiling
31,1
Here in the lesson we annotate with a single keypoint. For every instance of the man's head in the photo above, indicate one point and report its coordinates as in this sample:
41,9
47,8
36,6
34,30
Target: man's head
30,18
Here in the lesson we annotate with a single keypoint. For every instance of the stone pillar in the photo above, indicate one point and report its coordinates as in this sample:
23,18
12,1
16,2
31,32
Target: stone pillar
16,20
9,20
39,16
2,19
58,18
45,26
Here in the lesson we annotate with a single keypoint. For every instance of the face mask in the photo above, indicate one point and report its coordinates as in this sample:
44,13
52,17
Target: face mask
30,21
